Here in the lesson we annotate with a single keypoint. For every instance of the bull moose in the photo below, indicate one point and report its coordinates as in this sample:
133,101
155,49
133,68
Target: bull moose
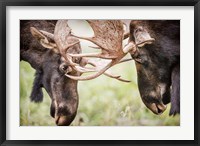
155,47
50,68
158,63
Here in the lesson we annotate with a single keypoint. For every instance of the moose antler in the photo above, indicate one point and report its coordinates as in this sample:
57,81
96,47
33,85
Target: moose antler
108,36
64,41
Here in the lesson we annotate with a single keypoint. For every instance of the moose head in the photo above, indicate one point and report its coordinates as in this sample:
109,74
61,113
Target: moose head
158,63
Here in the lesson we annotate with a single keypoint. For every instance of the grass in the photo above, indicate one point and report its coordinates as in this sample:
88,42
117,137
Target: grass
102,102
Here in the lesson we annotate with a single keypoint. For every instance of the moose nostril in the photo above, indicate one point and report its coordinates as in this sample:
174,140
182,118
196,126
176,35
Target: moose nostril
161,108
159,111
157,108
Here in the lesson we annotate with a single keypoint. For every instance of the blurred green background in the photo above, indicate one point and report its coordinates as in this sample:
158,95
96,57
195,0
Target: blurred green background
102,101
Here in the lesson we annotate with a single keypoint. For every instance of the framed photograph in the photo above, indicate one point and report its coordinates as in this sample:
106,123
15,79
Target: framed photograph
98,73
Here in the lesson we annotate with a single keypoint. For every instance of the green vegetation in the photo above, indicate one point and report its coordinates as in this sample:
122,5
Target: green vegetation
102,102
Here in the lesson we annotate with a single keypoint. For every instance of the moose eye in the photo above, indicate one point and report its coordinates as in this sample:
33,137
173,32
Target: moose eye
63,67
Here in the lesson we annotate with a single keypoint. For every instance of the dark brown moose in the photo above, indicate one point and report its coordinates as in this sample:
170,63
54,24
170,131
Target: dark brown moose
154,45
158,63
50,67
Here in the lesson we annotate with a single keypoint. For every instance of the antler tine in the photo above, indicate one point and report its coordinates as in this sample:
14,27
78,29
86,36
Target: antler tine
83,78
94,47
84,69
123,80
48,34
71,45
115,77
86,55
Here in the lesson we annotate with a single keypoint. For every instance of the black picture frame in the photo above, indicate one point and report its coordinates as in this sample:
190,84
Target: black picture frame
5,3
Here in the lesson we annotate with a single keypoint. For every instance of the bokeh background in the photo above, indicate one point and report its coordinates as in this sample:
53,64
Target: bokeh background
102,101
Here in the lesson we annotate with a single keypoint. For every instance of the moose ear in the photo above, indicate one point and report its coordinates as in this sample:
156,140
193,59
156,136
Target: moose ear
44,40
